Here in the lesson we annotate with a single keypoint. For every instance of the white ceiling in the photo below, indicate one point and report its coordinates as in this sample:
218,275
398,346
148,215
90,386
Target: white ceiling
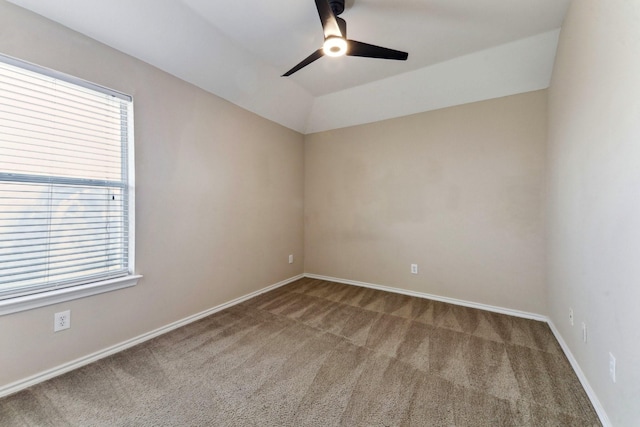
459,51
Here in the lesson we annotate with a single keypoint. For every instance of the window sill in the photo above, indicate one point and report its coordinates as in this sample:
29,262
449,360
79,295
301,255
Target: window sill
28,302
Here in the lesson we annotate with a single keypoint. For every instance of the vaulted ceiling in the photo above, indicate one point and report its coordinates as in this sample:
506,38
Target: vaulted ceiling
459,51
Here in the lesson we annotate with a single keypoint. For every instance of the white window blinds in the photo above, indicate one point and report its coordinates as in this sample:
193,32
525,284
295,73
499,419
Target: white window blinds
64,181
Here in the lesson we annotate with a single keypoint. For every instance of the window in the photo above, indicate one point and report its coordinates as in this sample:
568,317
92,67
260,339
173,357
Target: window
66,187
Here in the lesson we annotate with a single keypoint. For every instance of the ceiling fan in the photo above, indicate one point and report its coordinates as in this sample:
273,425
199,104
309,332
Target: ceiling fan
336,42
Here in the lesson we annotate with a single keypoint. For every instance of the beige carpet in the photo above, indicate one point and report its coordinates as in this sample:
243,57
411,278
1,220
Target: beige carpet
317,353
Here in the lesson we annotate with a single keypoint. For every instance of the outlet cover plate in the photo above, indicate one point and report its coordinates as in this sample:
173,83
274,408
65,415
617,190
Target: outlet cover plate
612,367
62,320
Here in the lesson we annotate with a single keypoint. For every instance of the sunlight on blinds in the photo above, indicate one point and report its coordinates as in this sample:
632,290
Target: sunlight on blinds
51,127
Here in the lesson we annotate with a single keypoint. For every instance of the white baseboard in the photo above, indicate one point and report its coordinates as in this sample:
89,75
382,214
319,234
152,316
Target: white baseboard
495,309
604,418
75,364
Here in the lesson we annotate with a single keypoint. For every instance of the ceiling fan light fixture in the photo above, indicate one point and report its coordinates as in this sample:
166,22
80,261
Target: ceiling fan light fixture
334,46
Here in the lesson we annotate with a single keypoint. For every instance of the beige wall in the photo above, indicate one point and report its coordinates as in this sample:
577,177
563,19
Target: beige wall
594,197
219,202
457,191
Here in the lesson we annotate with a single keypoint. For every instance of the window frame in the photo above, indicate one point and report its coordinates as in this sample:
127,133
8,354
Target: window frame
45,297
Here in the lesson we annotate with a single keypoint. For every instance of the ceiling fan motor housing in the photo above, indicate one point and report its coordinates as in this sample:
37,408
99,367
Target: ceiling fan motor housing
337,6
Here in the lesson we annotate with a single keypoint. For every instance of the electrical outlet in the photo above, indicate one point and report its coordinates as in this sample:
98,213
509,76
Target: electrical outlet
571,316
584,332
62,321
414,268
290,259
612,367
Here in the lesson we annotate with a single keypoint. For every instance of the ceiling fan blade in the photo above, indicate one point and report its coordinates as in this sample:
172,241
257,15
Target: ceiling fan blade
329,22
308,60
355,48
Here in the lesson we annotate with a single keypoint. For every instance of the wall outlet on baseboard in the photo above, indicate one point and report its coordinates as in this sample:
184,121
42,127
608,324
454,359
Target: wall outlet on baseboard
612,367
414,268
571,316
62,320
290,259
